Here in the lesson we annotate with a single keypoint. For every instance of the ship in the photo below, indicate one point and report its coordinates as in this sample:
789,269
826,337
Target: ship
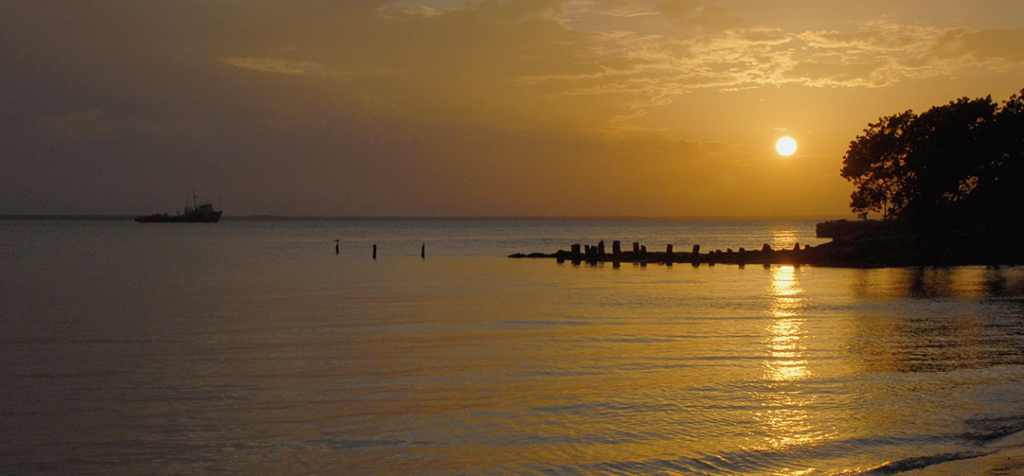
197,213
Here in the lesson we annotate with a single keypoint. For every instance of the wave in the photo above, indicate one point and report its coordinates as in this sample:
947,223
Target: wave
919,462
832,457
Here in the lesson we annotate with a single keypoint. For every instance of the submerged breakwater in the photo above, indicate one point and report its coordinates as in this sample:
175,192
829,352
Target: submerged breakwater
639,254
860,244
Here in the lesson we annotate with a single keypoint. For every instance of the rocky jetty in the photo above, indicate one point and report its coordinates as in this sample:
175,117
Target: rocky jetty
855,244
593,254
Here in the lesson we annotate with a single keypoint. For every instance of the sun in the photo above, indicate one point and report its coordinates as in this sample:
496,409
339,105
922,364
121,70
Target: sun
786,146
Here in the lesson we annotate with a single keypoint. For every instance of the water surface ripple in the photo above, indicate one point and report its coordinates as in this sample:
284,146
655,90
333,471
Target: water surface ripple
251,347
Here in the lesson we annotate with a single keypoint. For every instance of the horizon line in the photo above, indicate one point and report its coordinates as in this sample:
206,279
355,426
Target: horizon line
266,217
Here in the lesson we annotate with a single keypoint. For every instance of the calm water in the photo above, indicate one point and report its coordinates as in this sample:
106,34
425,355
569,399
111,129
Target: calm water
251,348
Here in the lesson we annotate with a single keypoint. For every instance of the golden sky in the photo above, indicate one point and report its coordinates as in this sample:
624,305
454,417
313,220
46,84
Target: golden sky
472,108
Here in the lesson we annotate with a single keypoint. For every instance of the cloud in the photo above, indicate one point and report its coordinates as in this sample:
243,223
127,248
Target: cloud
373,99
992,48
815,73
713,19
679,9
700,16
274,65
998,44
877,54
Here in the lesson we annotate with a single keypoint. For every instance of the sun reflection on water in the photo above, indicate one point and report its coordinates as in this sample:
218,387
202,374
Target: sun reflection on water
783,238
785,348
784,414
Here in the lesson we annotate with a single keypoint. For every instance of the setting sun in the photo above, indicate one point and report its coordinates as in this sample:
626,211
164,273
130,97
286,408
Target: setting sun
786,146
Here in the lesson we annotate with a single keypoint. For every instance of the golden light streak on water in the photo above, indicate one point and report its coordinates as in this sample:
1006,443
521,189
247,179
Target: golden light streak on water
784,415
784,347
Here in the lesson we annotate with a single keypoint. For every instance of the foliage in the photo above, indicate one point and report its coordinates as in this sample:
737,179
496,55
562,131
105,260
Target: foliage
960,164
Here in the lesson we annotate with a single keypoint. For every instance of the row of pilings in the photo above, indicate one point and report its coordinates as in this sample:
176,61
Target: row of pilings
594,254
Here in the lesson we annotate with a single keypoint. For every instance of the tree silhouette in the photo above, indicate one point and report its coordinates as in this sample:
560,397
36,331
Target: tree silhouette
876,164
954,167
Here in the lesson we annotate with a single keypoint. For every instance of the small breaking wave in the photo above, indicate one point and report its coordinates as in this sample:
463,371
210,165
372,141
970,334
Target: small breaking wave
989,430
919,462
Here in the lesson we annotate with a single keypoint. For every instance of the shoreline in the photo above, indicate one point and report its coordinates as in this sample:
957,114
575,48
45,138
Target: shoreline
1005,456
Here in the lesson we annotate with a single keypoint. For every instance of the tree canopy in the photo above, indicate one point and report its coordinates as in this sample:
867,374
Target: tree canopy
960,164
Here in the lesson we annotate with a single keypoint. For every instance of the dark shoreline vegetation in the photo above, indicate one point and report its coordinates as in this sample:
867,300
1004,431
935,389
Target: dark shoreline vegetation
948,183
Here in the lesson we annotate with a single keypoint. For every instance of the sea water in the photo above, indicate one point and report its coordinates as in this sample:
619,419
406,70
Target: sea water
253,347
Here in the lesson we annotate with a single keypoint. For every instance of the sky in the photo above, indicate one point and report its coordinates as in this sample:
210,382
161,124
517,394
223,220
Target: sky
648,108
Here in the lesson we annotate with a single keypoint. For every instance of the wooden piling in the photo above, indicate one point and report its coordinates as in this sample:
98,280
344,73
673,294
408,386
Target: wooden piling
600,248
374,251
669,255
423,251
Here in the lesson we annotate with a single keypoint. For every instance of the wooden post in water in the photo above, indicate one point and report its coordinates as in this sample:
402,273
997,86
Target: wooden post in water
600,249
670,257
695,255
636,250
374,251
423,251
576,253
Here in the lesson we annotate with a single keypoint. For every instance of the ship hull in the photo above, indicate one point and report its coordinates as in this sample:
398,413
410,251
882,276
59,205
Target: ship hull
199,217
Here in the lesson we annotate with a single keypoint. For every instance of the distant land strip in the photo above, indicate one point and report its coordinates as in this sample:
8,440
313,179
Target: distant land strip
67,217
338,218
